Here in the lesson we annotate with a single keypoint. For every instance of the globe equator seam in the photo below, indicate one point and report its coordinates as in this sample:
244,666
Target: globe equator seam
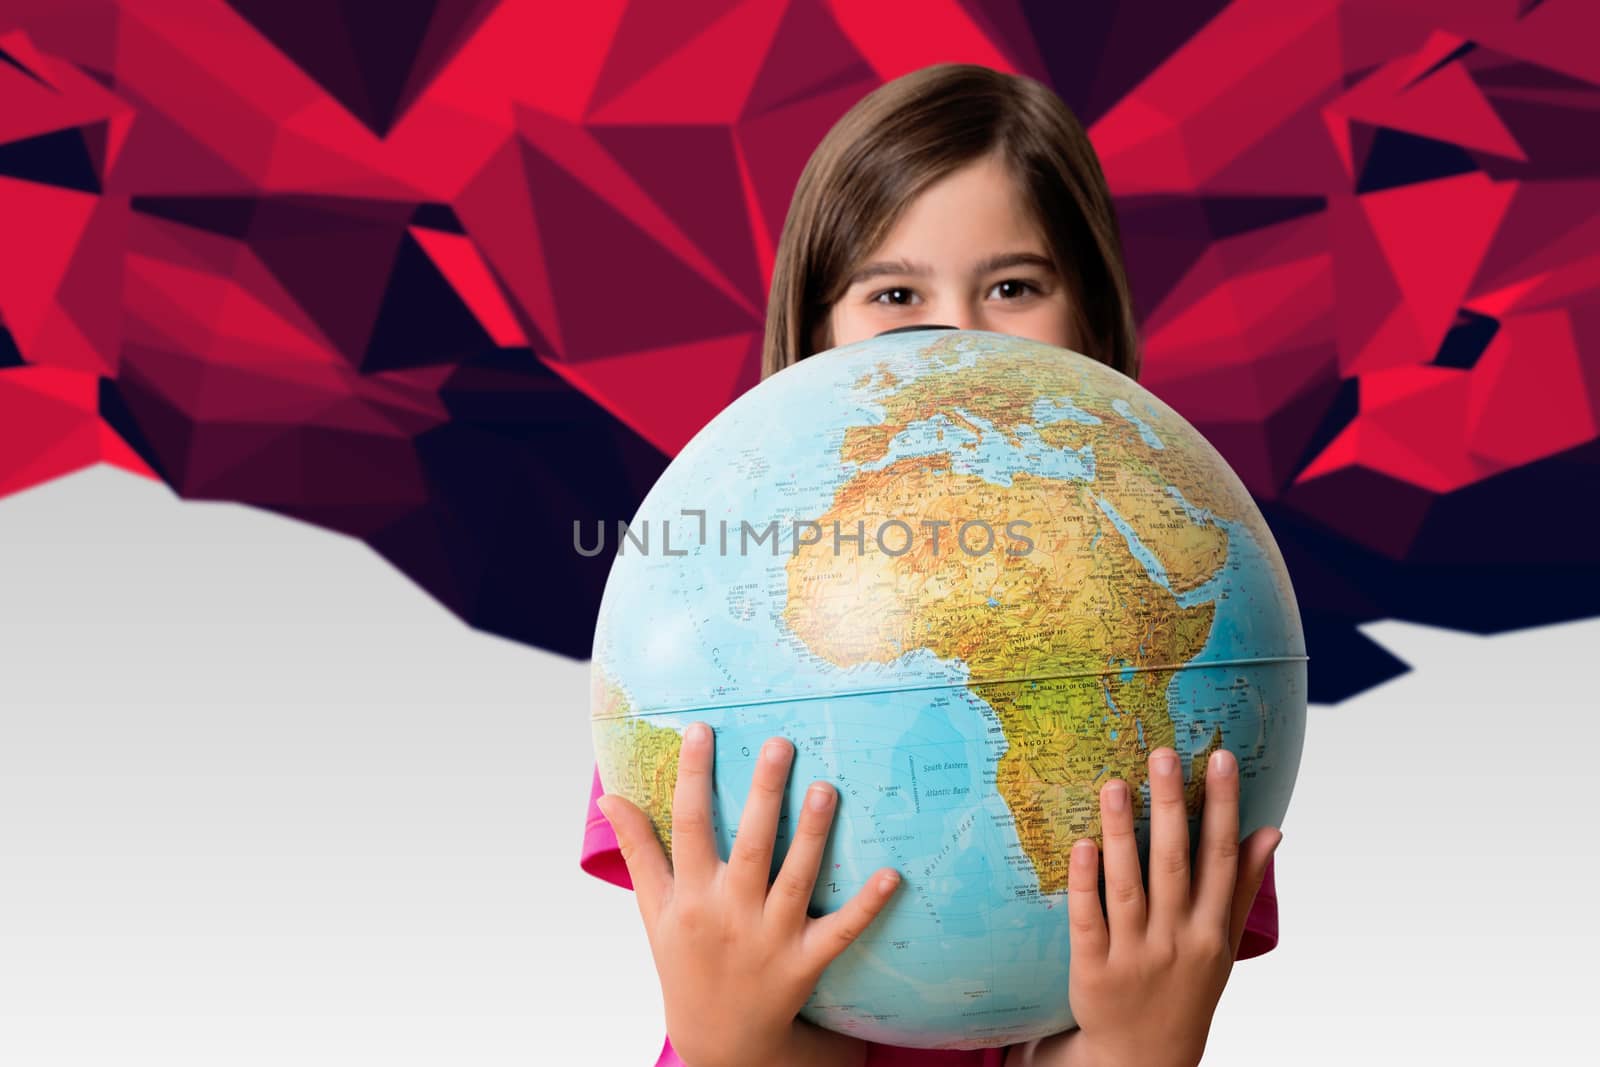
851,693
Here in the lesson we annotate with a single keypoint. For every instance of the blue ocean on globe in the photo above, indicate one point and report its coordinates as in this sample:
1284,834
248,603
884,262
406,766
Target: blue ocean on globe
966,704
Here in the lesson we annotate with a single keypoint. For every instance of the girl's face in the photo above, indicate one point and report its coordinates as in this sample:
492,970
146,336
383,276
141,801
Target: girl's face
965,253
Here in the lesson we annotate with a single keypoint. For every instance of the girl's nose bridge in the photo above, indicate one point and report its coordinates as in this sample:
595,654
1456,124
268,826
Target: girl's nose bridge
958,312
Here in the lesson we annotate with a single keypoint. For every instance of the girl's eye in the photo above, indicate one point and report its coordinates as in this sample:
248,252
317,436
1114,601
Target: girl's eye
1017,288
907,294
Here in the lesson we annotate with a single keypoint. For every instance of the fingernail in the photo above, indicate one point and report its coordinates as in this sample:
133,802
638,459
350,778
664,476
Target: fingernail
773,751
1276,843
1115,796
697,734
887,882
818,797
1221,764
601,802
1164,762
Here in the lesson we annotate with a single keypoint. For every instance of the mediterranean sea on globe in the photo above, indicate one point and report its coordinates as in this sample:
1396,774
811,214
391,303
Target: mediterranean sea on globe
969,576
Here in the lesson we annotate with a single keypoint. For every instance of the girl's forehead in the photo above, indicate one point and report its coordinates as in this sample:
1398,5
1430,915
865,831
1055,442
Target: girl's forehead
974,213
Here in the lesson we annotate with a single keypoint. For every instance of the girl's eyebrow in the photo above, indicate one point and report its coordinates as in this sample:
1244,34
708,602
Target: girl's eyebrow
993,263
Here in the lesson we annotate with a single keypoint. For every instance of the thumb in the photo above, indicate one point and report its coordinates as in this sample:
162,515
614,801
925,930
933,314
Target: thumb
648,866
1254,855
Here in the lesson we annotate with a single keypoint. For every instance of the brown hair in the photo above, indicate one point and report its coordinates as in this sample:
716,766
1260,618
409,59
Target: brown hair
909,133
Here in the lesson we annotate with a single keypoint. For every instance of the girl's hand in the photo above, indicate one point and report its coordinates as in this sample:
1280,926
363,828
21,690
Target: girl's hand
1145,992
737,960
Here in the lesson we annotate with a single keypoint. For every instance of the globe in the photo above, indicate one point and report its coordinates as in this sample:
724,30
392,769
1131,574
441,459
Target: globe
969,576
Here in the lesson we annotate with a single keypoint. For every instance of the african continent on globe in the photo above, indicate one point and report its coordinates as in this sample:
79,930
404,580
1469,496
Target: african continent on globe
968,576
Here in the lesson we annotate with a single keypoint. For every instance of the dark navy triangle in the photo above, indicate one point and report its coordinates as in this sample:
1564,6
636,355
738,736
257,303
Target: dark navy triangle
1395,158
441,217
422,320
59,158
1467,340
10,354
229,216
1228,216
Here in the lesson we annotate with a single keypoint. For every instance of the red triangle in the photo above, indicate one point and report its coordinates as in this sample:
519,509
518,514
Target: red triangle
574,150
1282,374
620,290
43,225
48,425
1527,395
1433,236
668,394
1296,156
458,260
1395,342
1549,226
697,197
498,211
776,145
50,94
1381,388
1338,454
1142,150
1423,436
648,34
897,39
115,451
706,79
809,55
167,157
67,347
1446,104
323,146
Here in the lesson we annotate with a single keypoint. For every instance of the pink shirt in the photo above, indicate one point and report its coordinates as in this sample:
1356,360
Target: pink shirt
602,859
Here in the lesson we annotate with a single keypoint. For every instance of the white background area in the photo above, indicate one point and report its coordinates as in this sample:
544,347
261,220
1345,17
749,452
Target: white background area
263,801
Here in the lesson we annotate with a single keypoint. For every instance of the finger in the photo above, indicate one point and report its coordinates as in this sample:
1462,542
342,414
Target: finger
791,892
1169,841
1252,870
750,860
694,851
1087,927
648,867
1125,905
827,937
1217,865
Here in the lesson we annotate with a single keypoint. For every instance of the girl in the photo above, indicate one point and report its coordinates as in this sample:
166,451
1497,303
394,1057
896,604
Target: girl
964,197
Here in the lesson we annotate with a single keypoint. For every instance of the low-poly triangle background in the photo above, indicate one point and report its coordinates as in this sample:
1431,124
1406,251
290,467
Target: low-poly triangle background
449,278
